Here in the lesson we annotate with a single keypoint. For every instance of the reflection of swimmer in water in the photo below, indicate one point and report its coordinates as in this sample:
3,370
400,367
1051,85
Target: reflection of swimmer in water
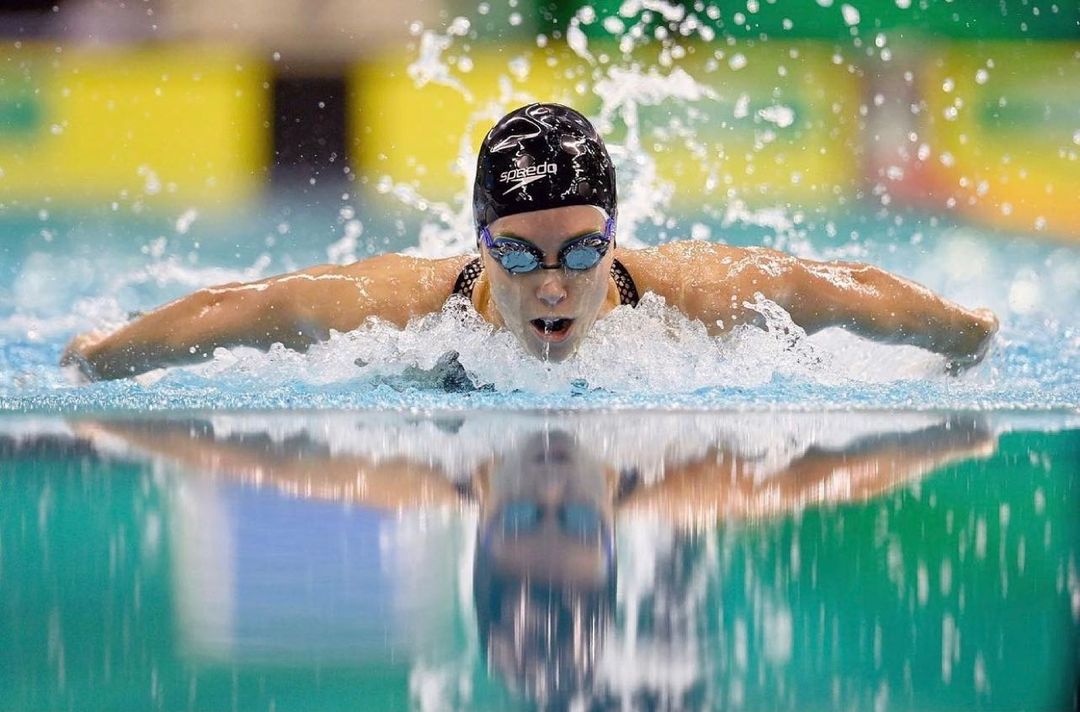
544,571
545,210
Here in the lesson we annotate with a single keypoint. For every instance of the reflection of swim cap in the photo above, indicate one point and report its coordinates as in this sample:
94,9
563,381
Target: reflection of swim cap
538,157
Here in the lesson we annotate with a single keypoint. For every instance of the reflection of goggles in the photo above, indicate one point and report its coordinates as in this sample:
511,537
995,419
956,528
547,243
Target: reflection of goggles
519,256
578,521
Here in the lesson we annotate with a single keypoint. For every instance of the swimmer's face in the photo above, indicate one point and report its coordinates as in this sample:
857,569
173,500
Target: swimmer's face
549,310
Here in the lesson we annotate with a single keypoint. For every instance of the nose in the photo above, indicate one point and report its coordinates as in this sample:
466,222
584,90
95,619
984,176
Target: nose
551,290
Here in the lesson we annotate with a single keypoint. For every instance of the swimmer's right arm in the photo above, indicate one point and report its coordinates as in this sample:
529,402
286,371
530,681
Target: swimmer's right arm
295,309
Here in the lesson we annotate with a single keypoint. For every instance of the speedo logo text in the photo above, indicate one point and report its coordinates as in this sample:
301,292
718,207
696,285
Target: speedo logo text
521,177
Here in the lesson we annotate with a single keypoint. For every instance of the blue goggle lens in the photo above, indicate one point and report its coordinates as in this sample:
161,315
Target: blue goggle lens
517,261
582,256
519,257
519,518
581,521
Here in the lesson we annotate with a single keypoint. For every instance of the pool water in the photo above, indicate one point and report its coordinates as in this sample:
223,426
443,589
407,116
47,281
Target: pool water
85,270
753,522
367,561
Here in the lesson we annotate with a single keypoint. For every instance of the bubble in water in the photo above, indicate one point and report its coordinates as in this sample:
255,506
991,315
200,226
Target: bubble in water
742,106
519,68
429,68
344,250
459,26
575,38
186,220
613,25
782,116
1025,293
152,184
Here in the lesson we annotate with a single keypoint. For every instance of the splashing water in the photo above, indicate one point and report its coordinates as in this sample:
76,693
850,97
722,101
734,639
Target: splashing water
650,357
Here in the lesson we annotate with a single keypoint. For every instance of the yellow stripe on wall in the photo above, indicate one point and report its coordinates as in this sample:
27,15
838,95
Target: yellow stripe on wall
186,125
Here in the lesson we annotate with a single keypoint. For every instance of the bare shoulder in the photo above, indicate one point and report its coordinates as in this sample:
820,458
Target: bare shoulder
394,270
394,265
709,281
394,287
677,269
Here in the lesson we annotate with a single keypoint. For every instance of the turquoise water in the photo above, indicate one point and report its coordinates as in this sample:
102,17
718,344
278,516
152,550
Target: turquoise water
66,273
279,561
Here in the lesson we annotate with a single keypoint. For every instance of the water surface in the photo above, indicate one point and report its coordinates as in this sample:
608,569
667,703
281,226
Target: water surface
260,561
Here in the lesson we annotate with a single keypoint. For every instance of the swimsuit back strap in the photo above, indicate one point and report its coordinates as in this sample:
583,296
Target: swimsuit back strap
628,293
467,278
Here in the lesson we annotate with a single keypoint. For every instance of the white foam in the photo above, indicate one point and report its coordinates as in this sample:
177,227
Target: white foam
429,67
651,349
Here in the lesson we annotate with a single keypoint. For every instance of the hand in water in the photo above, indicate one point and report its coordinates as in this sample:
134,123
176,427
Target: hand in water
988,326
76,355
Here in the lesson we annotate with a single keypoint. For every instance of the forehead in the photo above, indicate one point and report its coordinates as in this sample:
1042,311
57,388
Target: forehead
555,223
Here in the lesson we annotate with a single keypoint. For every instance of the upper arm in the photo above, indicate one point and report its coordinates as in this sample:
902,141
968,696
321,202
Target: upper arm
392,287
823,294
815,294
294,309
717,284
714,283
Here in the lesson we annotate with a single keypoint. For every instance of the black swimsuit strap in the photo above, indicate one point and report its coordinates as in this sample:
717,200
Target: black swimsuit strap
628,293
467,278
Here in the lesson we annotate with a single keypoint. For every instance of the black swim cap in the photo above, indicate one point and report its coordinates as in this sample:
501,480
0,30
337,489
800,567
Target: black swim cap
538,157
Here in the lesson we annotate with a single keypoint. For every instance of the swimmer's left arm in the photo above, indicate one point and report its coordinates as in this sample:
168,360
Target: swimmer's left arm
722,485
861,298
879,305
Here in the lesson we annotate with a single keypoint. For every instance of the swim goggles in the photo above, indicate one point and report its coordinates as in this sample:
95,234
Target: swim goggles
518,256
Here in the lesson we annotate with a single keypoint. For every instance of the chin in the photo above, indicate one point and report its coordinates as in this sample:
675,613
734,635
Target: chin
552,352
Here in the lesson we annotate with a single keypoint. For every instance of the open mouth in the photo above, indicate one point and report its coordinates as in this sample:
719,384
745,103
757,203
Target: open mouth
553,330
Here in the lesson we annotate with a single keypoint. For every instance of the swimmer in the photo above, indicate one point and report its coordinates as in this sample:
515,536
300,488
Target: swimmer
549,267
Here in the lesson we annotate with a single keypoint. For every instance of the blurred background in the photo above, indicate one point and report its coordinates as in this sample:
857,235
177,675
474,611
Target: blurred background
970,110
